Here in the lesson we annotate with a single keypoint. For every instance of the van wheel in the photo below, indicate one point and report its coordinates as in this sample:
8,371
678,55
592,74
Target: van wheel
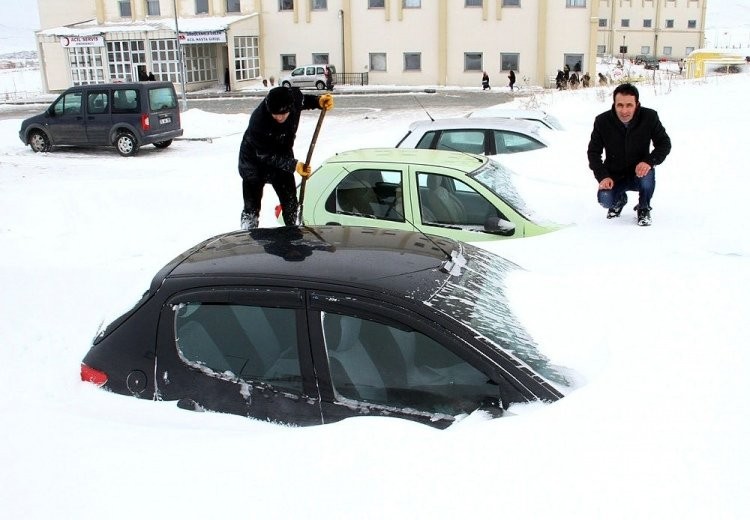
39,141
163,144
126,144
286,84
320,85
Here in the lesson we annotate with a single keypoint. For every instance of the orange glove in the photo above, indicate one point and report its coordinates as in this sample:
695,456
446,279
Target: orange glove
325,102
304,171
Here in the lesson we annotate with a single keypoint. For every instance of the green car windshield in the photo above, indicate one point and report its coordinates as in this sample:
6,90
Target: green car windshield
497,178
475,296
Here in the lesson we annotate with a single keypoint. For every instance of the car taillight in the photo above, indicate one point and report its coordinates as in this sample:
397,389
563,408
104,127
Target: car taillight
277,210
92,375
145,123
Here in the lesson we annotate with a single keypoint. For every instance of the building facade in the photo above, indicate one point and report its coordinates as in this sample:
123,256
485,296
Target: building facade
396,42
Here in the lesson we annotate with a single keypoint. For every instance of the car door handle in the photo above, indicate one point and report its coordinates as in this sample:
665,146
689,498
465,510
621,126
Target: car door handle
333,223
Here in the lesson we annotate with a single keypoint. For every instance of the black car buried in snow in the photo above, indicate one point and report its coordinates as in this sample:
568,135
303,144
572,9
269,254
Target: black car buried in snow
312,325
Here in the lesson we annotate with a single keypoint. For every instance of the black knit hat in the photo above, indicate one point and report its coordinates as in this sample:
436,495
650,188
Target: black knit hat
279,100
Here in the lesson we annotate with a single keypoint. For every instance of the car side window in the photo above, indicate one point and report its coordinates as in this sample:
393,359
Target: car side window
69,104
369,193
469,141
125,101
98,102
247,342
447,201
511,142
381,364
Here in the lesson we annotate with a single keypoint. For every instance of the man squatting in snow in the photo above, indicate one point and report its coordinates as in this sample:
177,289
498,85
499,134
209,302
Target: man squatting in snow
625,133
267,155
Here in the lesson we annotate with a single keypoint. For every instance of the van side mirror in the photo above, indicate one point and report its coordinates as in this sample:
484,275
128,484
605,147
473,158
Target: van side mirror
499,226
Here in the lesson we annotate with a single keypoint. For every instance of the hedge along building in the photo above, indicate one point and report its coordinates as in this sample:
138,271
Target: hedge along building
401,42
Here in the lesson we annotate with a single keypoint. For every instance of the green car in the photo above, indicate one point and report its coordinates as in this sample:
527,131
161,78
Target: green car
451,194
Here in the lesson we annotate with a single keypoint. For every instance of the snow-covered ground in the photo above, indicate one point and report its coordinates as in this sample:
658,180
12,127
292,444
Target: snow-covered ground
653,318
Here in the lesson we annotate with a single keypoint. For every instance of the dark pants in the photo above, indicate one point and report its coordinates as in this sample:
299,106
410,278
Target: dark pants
283,185
617,196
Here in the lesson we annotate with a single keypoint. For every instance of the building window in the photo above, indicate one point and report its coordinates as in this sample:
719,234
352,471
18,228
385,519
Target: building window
376,4
153,8
233,6
123,58
472,61
412,61
378,62
201,6
164,60
288,61
473,3
126,11
319,58
511,3
692,24
667,51
246,60
625,22
86,65
602,22
319,5
200,63
575,3
688,50
647,23
669,24
286,5
646,50
509,60
412,4
601,50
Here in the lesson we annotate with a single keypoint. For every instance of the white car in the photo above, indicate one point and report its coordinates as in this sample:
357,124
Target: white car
309,76
539,116
487,136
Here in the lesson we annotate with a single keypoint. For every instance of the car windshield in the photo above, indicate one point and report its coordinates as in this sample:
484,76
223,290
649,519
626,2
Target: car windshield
497,178
477,299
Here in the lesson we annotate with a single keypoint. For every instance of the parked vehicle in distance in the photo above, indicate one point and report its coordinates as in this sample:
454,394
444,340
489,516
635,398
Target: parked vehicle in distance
309,76
124,115
311,325
537,116
450,194
486,135
648,62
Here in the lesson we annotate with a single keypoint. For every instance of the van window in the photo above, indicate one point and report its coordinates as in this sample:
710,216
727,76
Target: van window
125,101
98,102
69,104
162,98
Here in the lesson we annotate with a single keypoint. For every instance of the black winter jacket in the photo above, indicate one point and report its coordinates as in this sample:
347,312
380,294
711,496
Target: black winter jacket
267,146
625,147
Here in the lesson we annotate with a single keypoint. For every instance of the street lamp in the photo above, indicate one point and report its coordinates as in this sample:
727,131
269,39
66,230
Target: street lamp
343,45
179,56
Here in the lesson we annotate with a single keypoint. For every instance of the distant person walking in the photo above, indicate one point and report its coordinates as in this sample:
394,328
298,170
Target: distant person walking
511,79
485,81
625,134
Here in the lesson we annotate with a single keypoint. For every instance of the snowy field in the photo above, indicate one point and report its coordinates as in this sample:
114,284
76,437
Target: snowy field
651,317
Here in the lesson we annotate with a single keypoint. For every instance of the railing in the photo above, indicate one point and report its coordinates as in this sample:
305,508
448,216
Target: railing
351,78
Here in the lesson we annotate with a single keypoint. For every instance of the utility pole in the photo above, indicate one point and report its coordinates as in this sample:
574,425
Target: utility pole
179,56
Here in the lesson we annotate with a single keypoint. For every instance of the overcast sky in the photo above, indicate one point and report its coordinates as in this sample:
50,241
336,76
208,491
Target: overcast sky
21,18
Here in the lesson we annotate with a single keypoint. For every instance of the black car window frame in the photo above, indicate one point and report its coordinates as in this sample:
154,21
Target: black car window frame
271,297
392,315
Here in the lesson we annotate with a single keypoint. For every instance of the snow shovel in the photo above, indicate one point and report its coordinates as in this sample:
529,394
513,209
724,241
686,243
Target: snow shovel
307,163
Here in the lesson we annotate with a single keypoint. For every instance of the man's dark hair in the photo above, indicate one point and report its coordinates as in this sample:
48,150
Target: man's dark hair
627,89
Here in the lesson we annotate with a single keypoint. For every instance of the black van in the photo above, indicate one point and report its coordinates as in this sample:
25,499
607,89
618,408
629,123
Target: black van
124,115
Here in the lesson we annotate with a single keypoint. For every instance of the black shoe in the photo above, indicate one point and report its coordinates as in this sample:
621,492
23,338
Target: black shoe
644,217
617,209
248,221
